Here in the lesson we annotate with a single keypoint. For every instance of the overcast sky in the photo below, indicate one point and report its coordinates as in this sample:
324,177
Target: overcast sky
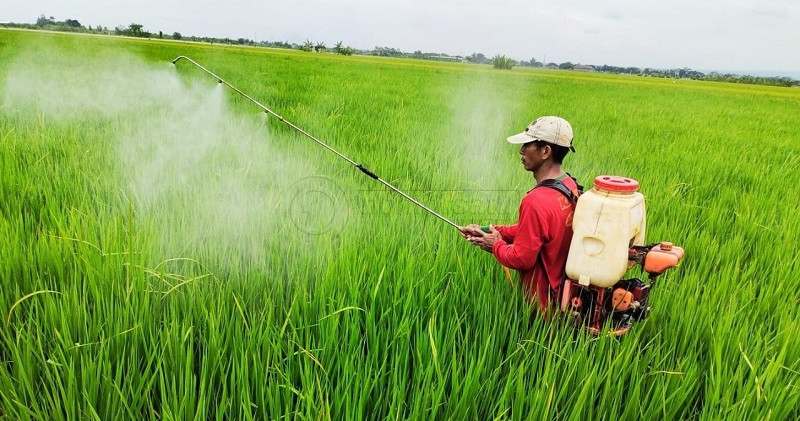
702,34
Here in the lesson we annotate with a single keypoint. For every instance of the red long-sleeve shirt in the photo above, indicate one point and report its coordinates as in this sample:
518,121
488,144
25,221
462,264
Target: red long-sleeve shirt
537,245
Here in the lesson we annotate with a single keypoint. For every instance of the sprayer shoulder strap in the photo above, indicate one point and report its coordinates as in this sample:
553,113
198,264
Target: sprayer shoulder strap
580,187
558,185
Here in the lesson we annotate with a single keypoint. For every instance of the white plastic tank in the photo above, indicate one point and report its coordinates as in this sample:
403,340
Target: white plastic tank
608,220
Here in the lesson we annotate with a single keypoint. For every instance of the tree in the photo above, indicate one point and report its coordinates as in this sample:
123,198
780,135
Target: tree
307,46
478,58
387,52
566,66
503,62
319,47
135,30
177,35
339,48
43,21
72,23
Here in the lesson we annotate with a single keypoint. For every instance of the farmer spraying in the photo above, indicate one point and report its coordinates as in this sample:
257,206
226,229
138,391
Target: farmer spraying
538,244
574,253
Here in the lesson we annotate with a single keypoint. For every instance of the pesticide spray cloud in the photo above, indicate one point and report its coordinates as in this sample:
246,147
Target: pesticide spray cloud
483,109
205,181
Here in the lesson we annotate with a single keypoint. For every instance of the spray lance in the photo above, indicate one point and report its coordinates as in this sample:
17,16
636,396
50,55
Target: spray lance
280,118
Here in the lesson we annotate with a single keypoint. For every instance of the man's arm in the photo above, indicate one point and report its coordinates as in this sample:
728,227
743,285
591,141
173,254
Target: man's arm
508,232
528,239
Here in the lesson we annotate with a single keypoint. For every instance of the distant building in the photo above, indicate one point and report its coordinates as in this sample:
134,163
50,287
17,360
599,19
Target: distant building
552,66
444,57
583,68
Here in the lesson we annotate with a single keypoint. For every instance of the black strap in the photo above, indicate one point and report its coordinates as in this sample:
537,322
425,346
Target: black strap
562,188
580,187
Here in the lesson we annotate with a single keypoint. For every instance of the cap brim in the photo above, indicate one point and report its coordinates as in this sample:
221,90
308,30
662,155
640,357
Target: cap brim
519,139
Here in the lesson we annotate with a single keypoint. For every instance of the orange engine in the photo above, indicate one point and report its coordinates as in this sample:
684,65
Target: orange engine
626,301
662,257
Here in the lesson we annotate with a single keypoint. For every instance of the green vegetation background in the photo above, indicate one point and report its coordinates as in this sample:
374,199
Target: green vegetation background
389,314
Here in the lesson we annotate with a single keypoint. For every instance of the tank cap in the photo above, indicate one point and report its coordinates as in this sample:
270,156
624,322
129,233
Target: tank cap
616,184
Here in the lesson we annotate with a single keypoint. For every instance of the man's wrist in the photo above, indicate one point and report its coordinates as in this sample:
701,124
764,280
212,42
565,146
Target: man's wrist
497,243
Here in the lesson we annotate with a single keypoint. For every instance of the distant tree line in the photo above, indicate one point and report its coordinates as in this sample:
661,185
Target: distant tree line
51,24
498,61
754,80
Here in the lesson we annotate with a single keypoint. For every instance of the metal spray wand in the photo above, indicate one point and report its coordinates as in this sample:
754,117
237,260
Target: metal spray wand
361,167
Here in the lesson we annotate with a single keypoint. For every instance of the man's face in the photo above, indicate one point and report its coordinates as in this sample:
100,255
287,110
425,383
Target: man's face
532,155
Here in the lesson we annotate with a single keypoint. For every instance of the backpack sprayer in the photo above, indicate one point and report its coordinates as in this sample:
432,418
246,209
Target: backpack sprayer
608,239
609,227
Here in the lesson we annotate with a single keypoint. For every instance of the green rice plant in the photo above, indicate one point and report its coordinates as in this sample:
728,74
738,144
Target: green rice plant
169,253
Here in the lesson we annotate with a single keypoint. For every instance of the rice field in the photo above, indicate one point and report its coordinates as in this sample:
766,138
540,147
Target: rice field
170,252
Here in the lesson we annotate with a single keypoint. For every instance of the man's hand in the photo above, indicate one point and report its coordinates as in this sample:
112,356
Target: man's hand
486,240
471,230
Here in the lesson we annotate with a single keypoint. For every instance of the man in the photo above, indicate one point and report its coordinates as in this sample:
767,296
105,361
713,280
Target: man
538,243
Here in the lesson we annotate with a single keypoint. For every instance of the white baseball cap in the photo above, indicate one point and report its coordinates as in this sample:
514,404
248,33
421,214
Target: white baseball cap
548,129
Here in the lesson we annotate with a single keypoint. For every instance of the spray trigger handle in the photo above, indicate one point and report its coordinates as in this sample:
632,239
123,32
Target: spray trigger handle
366,171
